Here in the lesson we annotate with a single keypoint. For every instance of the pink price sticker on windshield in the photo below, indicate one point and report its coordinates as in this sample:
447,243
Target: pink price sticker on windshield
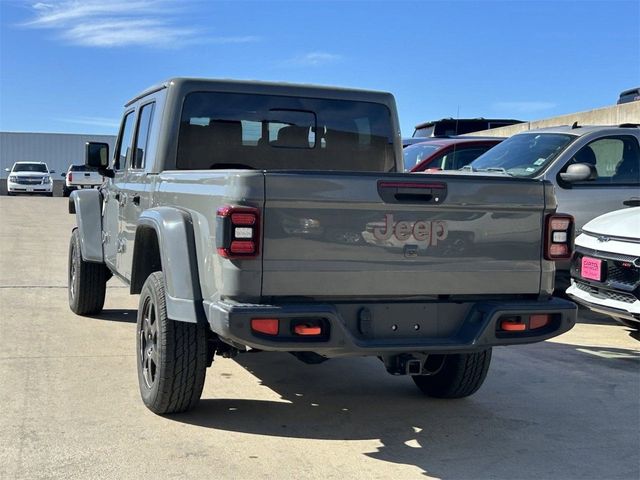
591,268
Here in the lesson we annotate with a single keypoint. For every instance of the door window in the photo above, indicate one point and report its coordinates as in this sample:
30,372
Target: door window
456,159
617,160
123,152
142,137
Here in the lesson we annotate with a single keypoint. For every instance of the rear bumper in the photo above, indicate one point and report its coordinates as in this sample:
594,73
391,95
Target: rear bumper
80,187
385,328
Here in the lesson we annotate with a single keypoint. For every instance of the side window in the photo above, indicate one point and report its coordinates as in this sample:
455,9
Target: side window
142,136
617,160
123,151
465,156
439,161
456,159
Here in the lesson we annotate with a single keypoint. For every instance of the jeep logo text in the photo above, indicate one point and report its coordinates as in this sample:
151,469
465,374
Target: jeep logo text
422,231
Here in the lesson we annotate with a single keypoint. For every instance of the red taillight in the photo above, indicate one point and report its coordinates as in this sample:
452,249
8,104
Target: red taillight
70,176
237,231
242,247
243,218
558,237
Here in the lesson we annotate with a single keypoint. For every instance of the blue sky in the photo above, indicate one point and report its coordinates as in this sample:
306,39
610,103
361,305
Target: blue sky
69,66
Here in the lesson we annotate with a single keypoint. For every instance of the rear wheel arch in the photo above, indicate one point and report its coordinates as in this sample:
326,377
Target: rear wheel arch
146,257
164,237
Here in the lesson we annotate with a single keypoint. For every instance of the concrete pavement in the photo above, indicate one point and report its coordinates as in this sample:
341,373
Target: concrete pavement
70,408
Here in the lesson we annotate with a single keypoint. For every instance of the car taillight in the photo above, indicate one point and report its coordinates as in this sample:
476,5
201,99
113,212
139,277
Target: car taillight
237,231
70,176
558,237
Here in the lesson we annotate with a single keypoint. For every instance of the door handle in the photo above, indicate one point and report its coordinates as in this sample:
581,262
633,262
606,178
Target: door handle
136,199
412,191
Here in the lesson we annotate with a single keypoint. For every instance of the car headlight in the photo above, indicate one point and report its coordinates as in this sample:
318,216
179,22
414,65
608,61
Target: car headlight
46,180
13,178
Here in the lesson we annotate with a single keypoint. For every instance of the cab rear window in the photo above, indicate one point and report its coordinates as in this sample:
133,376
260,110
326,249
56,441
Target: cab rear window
229,130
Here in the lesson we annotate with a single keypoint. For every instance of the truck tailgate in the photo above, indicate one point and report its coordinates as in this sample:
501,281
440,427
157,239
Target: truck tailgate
86,178
336,234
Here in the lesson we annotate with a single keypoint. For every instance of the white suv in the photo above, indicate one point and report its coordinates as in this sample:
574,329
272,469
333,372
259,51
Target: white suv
80,176
606,266
29,177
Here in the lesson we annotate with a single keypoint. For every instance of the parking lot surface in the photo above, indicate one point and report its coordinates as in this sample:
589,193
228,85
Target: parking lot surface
70,408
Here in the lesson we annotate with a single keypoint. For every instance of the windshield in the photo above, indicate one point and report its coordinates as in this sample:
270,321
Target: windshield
424,131
523,155
30,167
414,154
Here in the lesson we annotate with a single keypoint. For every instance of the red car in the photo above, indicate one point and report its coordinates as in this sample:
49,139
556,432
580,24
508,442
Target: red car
446,153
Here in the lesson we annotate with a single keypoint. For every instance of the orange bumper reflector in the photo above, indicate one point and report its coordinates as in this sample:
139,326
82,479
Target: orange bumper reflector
539,321
512,326
307,330
267,326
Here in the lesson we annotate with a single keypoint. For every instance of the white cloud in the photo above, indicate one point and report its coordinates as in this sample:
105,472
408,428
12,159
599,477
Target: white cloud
525,106
96,121
314,59
118,33
117,23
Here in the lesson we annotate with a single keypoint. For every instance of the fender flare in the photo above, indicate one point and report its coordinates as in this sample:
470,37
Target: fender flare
87,205
177,249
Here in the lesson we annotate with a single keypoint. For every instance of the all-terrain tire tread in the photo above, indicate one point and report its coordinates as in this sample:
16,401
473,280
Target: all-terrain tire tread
92,281
461,375
183,363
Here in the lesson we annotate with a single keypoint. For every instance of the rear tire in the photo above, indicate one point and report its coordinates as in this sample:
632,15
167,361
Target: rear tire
87,284
171,355
458,375
65,192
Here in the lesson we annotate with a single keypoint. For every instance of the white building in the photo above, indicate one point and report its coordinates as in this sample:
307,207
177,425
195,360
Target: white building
57,150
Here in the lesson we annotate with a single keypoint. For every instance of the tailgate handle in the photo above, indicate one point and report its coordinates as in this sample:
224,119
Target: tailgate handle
412,192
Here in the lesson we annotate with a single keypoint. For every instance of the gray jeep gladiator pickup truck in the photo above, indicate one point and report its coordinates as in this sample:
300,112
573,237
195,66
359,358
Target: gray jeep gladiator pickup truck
259,216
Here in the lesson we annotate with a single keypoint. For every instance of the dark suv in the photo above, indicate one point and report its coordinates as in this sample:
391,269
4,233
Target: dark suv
459,126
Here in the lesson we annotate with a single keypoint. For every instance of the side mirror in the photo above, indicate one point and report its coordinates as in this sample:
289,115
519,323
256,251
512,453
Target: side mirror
7,169
97,156
579,172
63,174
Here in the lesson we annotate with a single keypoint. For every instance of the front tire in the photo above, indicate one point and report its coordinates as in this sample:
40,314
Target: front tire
87,284
171,355
455,375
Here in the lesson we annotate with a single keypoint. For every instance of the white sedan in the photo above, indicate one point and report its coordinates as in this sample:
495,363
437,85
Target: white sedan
605,270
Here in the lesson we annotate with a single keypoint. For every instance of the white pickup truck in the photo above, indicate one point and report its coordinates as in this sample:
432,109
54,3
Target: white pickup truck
79,177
